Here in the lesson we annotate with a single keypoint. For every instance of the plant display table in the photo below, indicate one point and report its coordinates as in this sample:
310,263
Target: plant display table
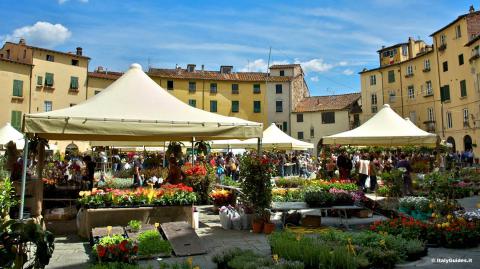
102,217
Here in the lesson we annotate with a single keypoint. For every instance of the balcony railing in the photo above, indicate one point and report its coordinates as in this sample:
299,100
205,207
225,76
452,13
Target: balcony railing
430,126
475,56
426,69
442,47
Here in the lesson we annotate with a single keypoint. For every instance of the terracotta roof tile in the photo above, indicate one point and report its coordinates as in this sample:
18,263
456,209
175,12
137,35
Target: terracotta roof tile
325,103
105,75
284,65
180,73
13,61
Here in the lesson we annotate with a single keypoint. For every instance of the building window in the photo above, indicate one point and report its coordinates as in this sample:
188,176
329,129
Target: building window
192,86
18,88
235,89
299,117
72,104
300,135
374,109
170,85
282,73
50,58
391,76
213,87
16,120
430,115
409,70
449,120
278,89
445,66
192,102
49,79
373,80
458,32
257,107
426,65
463,88
256,88
411,92
279,106
392,96
285,125
74,83
96,92
75,62
356,120
404,50
443,40
429,90
39,80
374,99
465,117
312,132
328,117
47,106
445,93
460,59
213,106
235,106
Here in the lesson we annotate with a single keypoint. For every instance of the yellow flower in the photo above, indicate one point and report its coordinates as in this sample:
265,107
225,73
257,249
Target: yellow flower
189,261
298,237
439,225
275,258
478,205
430,205
109,230
382,242
433,215
157,224
449,217
196,267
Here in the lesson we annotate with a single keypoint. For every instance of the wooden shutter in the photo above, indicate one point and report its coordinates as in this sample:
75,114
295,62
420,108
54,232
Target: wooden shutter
16,120
18,88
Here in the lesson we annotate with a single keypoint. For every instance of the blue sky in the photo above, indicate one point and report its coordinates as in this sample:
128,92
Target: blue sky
333,40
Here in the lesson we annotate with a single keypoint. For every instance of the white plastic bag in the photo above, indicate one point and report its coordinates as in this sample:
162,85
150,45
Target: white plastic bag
236,220
225,220
367,182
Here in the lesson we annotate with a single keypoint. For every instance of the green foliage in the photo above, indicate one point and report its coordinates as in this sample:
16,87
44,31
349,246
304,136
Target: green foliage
317,197
119,183
228,181
118,265
394,181
151,242
175,149
135,225
383,191
256,185
124,173
288,195
3,167
290,182
7,197
237,258
15,236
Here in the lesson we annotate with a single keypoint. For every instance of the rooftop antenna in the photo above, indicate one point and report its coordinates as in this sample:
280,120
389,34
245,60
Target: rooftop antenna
268,63
248,65
331,91
148,61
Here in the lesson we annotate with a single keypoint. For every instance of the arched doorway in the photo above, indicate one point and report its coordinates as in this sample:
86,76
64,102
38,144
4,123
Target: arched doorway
452,141
467,142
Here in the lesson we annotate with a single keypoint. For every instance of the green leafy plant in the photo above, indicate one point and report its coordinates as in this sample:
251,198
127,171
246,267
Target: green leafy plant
317,197
7,198
115,248
151,242
175,149
135,225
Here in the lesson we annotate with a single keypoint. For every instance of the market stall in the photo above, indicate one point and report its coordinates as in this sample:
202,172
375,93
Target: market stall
135,108
8,133
386,128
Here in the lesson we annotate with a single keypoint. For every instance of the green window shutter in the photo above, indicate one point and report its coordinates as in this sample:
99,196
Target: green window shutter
445,93
74,83
391,76
213,106
257,107
49,79
39,80
16,120
192,102
256,88
235,106
463,88
18,88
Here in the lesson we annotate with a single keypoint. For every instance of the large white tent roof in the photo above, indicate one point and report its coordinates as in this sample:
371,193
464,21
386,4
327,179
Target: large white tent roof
386,128
135,108
273,137
8,133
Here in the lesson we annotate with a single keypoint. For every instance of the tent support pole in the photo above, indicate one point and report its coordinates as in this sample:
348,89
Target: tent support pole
24,177
193,150
259,146
164,154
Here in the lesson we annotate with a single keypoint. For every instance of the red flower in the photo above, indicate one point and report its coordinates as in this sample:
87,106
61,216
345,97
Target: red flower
123,246
135,249
101,251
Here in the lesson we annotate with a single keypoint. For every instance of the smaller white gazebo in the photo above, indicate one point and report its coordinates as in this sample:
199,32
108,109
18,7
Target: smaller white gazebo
8,133
273,138
386,128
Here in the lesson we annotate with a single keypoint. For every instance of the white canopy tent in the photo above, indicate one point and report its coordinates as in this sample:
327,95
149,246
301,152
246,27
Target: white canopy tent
135,108
273,138
386,128
8,133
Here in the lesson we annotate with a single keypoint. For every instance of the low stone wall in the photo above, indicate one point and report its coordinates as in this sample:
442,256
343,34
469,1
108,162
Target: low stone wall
101,217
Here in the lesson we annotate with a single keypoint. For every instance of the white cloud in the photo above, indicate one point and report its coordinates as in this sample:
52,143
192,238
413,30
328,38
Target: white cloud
61,2
259,65
314,65
343,63
314,79
348,72
43,34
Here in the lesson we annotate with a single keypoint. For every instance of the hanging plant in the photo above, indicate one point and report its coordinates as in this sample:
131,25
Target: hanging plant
175,149
202,147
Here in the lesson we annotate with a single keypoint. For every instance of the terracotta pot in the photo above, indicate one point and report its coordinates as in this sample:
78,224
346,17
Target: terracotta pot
257,226
268,228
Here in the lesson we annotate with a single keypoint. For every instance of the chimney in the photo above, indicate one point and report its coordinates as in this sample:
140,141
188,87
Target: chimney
79,51
471,9
411,47
22,41
203,67
100,69
191,68
226,69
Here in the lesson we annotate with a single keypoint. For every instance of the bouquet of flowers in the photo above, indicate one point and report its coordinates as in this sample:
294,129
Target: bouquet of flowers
222,197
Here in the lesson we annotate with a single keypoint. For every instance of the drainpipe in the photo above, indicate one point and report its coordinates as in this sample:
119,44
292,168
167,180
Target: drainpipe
30,94
401,90
440,86
383,90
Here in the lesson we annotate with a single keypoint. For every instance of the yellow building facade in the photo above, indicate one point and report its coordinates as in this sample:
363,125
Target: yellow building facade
436,86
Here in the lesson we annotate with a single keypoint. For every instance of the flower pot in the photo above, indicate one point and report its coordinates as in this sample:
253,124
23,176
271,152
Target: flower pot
257,226
268,228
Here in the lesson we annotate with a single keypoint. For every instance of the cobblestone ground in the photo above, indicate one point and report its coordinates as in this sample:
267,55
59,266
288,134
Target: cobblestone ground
72,252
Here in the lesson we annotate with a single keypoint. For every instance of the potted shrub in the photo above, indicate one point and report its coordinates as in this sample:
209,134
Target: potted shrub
255,175
317,197
134,226
151,244
7,199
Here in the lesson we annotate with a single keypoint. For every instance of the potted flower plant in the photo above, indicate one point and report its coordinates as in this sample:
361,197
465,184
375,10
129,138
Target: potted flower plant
255,175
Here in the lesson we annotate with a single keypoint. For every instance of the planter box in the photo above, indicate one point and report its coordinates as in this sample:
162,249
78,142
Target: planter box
102,217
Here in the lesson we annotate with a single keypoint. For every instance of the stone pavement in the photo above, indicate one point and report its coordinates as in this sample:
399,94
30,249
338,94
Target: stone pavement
71,252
